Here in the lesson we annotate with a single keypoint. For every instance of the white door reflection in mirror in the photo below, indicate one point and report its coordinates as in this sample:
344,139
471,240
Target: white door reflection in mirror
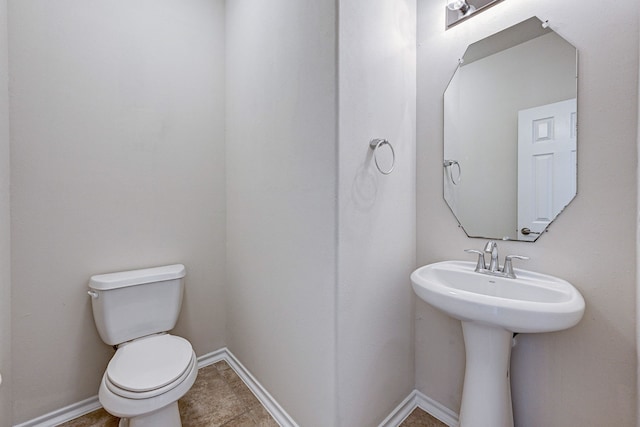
546,165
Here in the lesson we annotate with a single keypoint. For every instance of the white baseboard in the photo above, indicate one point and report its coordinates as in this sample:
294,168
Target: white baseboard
213,357
276,411
79,409
402,411
436,409
65,414
415,400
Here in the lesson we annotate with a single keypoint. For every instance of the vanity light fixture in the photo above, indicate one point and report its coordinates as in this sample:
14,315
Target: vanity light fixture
462,6
459,10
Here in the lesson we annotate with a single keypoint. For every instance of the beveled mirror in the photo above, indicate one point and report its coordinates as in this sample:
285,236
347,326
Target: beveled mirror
510,143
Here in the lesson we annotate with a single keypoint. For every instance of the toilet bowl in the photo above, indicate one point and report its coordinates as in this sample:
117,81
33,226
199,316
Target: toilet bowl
151,369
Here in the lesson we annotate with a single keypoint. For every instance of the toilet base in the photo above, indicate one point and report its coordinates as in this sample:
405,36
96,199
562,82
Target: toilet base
169,416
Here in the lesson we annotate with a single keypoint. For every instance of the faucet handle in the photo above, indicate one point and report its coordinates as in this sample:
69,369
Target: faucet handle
508,265
480,265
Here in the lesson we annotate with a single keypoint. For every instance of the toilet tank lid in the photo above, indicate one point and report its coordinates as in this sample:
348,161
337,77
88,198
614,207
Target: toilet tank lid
121,279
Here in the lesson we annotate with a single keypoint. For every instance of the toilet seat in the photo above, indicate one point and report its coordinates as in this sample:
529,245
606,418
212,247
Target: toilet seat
149,366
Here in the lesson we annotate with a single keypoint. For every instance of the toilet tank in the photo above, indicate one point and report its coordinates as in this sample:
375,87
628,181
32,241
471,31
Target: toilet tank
131,304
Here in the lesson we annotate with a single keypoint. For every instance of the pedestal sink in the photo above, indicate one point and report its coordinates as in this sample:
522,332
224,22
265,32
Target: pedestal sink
491,310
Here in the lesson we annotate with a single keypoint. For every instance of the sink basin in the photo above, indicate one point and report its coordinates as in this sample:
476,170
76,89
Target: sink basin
532,302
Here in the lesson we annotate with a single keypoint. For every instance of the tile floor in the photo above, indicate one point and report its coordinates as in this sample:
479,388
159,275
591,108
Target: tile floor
419,418
219,398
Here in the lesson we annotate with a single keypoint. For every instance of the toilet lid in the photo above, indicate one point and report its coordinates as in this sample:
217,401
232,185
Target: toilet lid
149,363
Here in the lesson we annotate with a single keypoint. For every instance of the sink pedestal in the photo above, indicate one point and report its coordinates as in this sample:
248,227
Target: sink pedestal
486,394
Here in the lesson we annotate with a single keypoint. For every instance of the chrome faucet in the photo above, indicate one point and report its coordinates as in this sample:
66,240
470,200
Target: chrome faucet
494,266
492,248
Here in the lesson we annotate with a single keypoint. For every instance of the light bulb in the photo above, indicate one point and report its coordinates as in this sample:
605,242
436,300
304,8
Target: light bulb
455,4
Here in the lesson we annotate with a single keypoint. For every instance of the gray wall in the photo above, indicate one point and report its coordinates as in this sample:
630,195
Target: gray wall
117,163
320,245
376,239
5,228
585,375
281,200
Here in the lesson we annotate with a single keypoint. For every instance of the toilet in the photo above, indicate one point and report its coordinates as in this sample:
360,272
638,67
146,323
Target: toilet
151,369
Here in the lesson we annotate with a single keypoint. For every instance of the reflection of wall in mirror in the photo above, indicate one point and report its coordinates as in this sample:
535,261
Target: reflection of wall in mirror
452,129
533,73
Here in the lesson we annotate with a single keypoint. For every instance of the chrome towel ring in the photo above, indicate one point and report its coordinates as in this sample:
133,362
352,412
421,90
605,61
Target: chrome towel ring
448,166
376,143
